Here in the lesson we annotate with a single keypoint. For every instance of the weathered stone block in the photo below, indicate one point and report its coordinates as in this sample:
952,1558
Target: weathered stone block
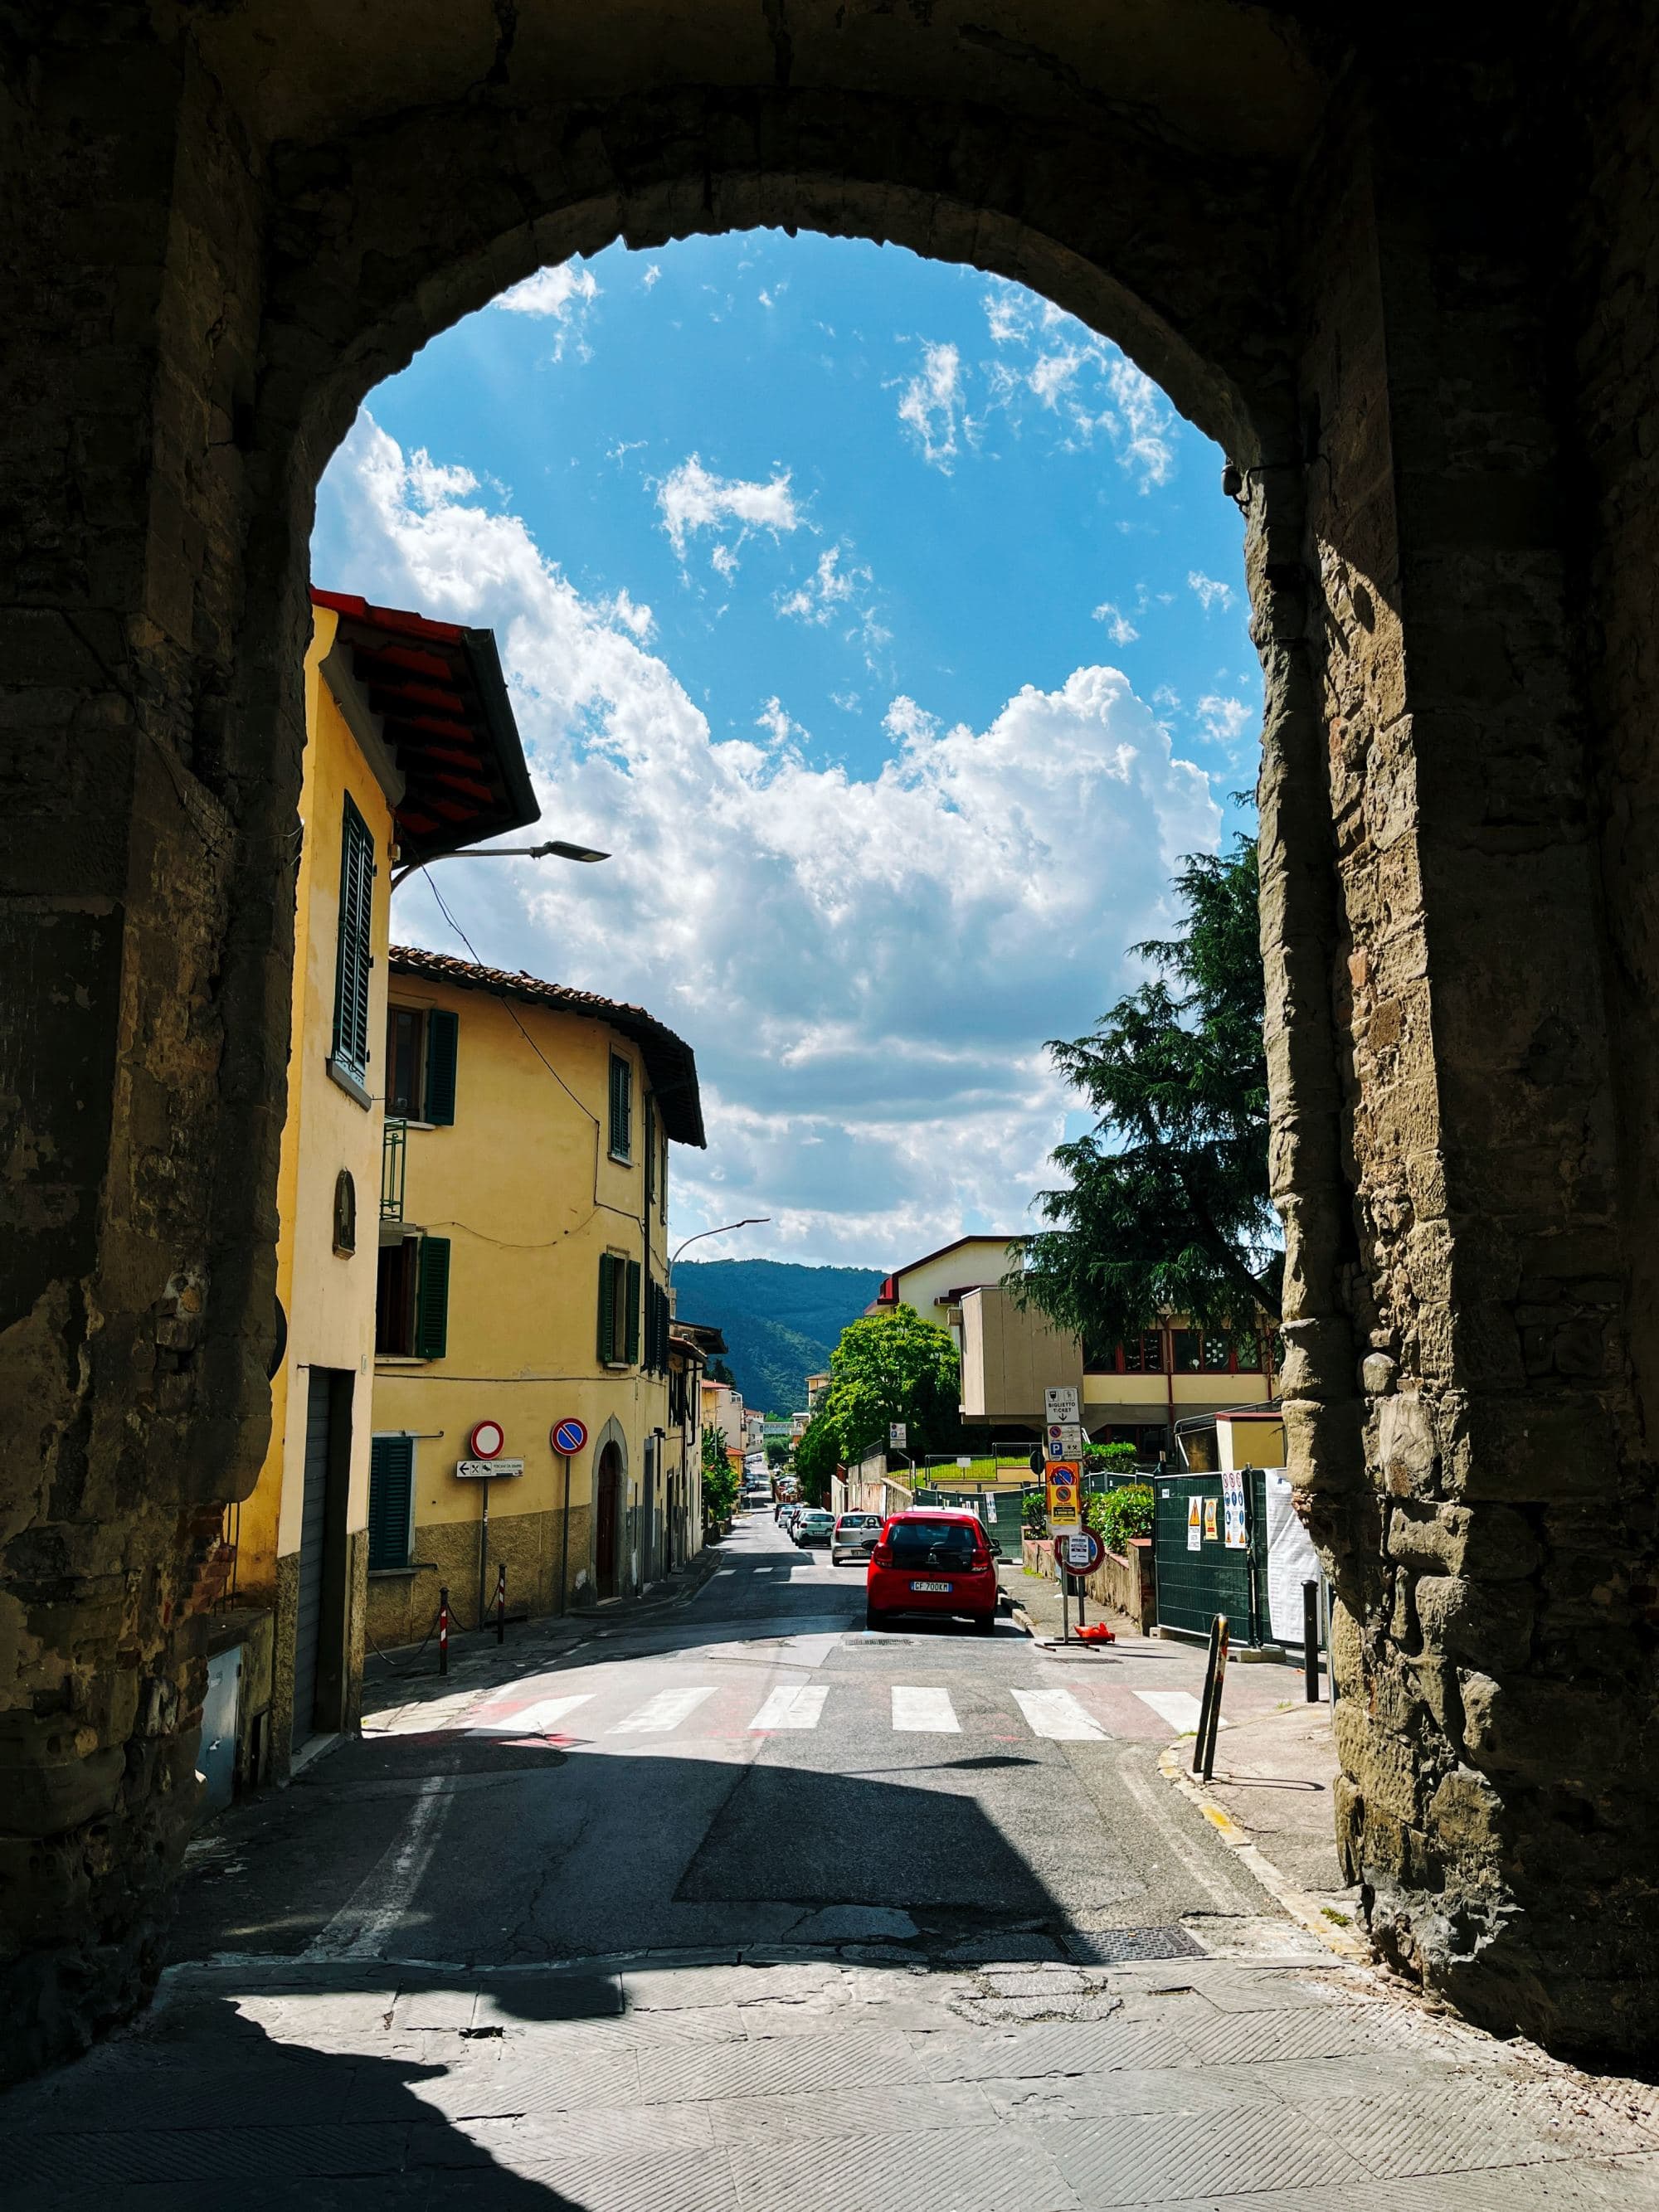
1492,1543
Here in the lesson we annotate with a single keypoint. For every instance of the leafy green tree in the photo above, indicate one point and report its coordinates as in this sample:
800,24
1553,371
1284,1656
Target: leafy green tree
1166,1205
894,1367
720,1478
817,1455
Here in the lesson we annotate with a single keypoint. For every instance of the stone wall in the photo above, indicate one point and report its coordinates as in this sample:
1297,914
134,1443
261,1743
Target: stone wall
1406,284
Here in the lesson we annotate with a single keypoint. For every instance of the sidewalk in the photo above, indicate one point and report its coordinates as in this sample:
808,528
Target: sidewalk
1270,1797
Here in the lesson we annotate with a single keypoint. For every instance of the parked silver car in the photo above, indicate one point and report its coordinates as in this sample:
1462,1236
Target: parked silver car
856,1536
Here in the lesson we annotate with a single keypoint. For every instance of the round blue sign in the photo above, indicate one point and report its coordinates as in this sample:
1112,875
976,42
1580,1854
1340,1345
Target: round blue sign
569,1436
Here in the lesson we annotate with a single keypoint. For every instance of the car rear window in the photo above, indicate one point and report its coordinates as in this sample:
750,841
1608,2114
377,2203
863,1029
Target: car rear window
931,1544
857,1521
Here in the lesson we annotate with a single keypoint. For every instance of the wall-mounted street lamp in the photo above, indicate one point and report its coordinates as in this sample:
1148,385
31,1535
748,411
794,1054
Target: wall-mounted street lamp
748,1221
554,850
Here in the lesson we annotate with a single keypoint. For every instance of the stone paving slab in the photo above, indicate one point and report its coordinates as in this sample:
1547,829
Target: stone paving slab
815,2085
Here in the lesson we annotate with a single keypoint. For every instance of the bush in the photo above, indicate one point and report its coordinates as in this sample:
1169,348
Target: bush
1034,1512
1118,1459
1118,1515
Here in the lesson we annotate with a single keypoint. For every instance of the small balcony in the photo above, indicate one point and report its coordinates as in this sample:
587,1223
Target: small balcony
392,1152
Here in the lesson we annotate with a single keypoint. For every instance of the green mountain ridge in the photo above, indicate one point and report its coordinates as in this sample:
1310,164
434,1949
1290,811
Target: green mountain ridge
781,1320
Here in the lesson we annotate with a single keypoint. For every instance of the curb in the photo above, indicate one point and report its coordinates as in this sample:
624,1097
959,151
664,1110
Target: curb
1302,1905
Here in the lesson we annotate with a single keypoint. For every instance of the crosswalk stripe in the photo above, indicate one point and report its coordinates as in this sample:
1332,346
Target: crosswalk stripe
1057,1714
925,1712
800,1706
1179,1707
663,1711
534,1720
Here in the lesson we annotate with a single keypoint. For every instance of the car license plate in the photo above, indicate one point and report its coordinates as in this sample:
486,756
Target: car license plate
930,1586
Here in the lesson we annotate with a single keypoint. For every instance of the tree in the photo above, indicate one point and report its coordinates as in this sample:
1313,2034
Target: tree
817,1455
1166,1207
888,1367
720,1478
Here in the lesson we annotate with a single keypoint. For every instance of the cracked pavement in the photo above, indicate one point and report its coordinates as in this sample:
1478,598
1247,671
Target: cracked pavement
738,1907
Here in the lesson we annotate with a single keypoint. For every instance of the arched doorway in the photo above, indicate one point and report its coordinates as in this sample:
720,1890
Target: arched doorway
1329,254
608,1479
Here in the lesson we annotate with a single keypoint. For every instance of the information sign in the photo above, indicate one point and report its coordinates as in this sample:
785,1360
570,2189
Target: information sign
1232,1516
569,1436
1060,1404
1065,1488
1194,1525
487,1470
1065,1440
896,1435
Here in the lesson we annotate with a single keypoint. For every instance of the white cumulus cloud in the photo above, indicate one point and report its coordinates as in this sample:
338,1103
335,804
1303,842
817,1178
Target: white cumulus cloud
691,498
866,965
1119,628
1211,591
562,295
1223,720
930,404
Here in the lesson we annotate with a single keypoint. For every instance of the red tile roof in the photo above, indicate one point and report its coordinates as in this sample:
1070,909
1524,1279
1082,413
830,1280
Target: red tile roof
669,1060
436,688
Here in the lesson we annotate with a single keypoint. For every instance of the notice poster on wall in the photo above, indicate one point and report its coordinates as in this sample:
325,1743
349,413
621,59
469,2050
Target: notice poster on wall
1194,1525
1212,1514
1232,1516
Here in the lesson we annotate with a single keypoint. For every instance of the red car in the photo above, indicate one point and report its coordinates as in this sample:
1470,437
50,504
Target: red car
931,1560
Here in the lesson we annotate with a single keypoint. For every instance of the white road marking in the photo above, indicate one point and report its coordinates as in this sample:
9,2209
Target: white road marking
1057,1715
534,1720
360,1928
801,1706
663,1711
1179,1707
925,1712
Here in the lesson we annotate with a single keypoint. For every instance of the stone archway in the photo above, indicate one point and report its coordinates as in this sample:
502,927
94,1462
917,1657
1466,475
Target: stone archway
1395,279
610,1561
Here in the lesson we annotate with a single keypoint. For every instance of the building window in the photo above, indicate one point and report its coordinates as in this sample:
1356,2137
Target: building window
650,1152
411,1303
620,1284
345,1214
421,1046
390,1501
1189,1351
656,1329
622,1109
1143,1354
354,956
1246,1355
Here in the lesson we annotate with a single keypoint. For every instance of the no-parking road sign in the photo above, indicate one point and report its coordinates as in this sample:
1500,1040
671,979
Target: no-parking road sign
569,1436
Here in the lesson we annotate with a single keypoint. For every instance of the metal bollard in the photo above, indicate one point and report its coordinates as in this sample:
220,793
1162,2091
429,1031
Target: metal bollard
501,1602
443,1631
1310,1639
1209,1711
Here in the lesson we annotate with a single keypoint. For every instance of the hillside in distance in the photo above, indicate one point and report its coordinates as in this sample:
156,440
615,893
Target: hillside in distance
781,1320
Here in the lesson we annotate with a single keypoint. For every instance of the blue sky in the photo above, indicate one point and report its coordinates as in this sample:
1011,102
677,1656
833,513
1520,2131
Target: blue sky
890,629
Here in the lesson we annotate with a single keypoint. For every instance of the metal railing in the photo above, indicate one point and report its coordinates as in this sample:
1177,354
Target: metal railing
391,1170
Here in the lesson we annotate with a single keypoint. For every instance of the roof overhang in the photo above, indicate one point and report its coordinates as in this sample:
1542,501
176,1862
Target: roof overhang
426,699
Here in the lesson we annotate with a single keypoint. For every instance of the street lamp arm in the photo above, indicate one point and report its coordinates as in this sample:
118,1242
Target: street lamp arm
750,1221
555,849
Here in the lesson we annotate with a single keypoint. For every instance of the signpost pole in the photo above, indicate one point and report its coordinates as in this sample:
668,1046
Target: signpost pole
483,1547
564,1535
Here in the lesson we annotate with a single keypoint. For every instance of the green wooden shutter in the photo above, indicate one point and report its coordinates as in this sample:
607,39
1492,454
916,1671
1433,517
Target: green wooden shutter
607,1310
354,956
622,1107
391,1493
442,1033
632,1294
432,1299
650,1149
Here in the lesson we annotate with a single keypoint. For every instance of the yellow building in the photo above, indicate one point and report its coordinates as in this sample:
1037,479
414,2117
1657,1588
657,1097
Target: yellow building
522,1283
411,753
1133,1393
936,1284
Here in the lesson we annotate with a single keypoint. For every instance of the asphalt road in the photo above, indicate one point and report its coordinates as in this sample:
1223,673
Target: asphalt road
756,1768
